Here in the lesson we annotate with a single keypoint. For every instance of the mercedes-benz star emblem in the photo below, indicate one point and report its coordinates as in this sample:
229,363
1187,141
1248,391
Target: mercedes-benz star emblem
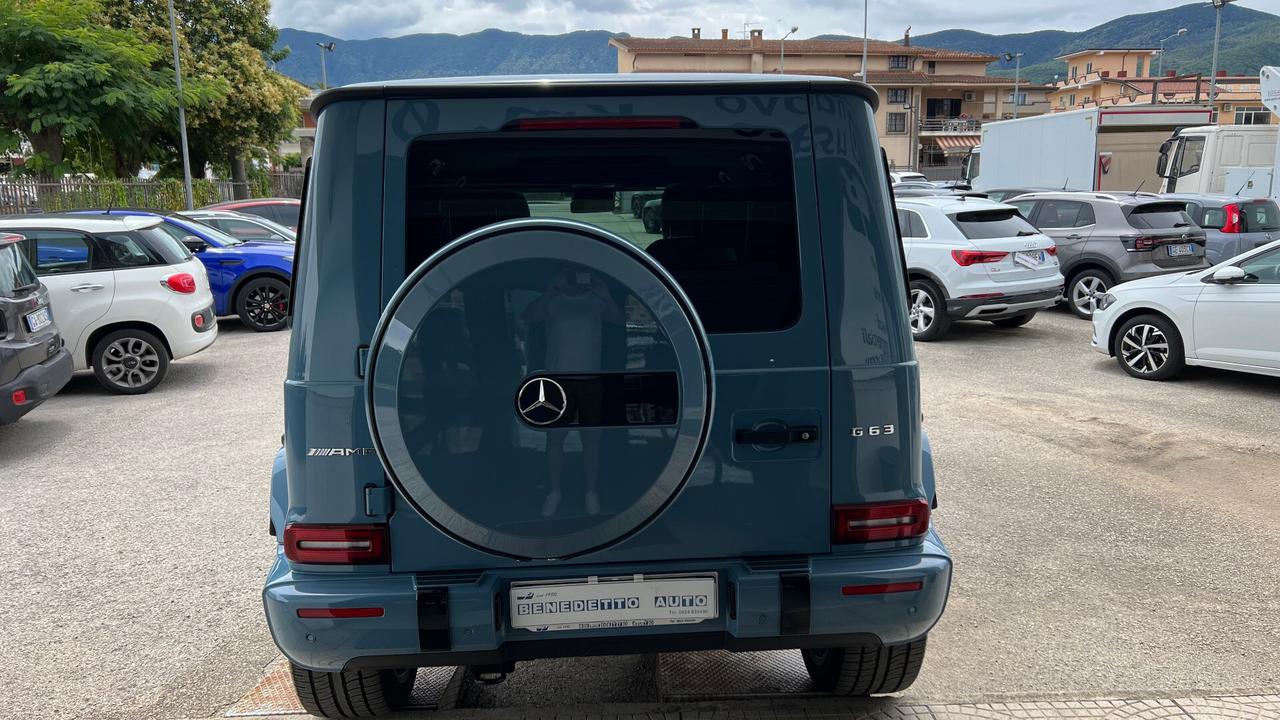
541,401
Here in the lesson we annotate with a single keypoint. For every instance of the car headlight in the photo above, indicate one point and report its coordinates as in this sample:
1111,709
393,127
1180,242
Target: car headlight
1106,301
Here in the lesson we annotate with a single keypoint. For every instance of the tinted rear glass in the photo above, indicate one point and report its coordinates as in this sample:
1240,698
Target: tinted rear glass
715,207
15,273
1260,216
1160,216
985,224
168,247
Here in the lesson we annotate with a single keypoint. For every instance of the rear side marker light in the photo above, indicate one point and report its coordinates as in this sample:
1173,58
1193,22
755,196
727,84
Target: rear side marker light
336,544
601,123
184,283
965,258
881,589
876,522
340,613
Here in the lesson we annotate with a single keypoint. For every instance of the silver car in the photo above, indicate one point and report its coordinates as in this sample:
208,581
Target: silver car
1232,224
1107,238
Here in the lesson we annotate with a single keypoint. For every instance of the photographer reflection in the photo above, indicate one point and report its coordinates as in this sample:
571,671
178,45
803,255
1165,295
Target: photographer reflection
574,309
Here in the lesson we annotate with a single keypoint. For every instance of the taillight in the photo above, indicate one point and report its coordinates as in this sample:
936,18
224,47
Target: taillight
880,589
965,258
336,544
600,123
183,283
1144,243
1052,250
898,520
340,613
19,397
1232,224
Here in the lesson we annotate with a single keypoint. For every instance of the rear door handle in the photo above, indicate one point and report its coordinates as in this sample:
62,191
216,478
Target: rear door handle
88,287
1074,237
778,436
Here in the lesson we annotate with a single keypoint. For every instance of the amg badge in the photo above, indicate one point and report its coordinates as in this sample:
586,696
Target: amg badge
338,452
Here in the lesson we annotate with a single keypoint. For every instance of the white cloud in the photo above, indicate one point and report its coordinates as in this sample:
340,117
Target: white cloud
357,19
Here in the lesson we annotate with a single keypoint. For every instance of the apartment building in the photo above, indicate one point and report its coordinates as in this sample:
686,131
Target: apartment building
932,101
1128,76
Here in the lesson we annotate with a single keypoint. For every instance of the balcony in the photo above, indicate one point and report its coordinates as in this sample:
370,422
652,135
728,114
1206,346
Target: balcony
950,126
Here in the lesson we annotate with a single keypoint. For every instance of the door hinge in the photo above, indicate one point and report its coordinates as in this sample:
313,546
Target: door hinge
377,500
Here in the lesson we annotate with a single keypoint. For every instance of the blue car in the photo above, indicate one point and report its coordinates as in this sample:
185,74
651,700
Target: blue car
248,279
519,426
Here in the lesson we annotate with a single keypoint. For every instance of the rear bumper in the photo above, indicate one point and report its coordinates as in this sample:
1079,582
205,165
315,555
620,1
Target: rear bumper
190,340
995,308
457,619
41,382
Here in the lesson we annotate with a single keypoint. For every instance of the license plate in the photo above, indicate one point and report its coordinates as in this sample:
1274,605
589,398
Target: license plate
1030,258
632,601
1180,250
39,319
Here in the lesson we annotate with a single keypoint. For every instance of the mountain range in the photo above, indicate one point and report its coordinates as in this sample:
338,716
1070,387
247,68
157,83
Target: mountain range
1250,39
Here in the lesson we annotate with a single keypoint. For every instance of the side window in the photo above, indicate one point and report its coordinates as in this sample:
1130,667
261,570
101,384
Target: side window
1065,214
1210,218
1026,207
1263,269
912,224
1190,156
127,251
242,229
55,252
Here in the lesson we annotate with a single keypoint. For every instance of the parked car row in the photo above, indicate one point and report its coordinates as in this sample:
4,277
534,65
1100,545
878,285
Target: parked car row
123,293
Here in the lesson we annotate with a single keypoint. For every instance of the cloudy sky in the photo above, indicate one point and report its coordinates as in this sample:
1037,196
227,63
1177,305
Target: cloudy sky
359,19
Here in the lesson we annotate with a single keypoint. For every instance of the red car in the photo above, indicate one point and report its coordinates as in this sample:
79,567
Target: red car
280,210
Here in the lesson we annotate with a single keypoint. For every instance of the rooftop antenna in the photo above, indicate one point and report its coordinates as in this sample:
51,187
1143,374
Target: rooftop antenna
1246,182
1135,190
1065,183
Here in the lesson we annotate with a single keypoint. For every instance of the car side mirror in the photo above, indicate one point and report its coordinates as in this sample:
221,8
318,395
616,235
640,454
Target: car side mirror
193,243
1162,165
1229,275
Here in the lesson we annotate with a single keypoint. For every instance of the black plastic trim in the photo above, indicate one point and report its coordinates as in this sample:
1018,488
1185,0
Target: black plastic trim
433,619
516,651
794,618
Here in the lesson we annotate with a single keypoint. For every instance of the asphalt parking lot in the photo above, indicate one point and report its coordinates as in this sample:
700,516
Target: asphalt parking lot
1111,536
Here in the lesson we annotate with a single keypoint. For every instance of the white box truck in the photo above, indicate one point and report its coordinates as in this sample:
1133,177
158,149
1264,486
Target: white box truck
1102,148
1219,159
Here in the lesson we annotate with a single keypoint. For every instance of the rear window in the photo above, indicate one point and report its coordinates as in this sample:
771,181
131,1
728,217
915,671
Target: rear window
1159,216
15,273
168,247
715,207
986,224
1260,216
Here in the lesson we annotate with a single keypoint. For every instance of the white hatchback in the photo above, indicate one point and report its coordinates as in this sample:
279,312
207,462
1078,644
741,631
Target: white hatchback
1227,317
974,259
127,298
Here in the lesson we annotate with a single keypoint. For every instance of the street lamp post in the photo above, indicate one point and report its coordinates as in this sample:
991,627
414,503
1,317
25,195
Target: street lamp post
1017,76
324,73
1217,34
1160,62
863,70
182,111
912,118
782,57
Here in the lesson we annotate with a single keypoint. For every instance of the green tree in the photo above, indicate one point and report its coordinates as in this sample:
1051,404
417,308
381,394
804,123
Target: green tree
64,75
228,43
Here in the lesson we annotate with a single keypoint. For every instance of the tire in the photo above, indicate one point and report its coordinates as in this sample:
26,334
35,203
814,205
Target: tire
353,693
1149,347
1083,289
927,312
263,304
862,671
652,224
130,361
637,207
1016,321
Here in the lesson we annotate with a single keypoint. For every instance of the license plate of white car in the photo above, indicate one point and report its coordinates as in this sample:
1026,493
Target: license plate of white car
1180,250
1033,258
614,602
39,319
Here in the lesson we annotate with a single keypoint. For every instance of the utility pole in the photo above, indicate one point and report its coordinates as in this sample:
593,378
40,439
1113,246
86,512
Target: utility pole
1217,35
182,111
324,73
782,57
1017,76
865,77
1160,65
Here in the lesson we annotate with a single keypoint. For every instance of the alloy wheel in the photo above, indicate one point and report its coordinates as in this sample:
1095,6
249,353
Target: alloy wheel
267,305
1086,292
130,362
1144,348
922,311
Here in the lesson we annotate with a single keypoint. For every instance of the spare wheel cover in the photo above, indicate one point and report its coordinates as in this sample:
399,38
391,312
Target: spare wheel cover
455,373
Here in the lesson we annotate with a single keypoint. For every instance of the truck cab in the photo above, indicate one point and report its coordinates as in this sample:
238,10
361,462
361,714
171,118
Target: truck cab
1202,159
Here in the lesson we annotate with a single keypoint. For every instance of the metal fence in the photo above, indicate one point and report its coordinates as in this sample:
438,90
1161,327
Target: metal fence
28,196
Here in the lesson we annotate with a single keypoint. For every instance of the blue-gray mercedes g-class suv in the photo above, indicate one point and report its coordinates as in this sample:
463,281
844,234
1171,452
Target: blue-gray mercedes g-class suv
520,423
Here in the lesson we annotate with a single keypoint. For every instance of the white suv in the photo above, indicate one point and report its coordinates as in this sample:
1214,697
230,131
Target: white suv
974,259
128,298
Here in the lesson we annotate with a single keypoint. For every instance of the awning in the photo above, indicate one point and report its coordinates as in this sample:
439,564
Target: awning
956,144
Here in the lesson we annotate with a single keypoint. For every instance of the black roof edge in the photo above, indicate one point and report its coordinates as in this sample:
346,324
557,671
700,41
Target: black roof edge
591,89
